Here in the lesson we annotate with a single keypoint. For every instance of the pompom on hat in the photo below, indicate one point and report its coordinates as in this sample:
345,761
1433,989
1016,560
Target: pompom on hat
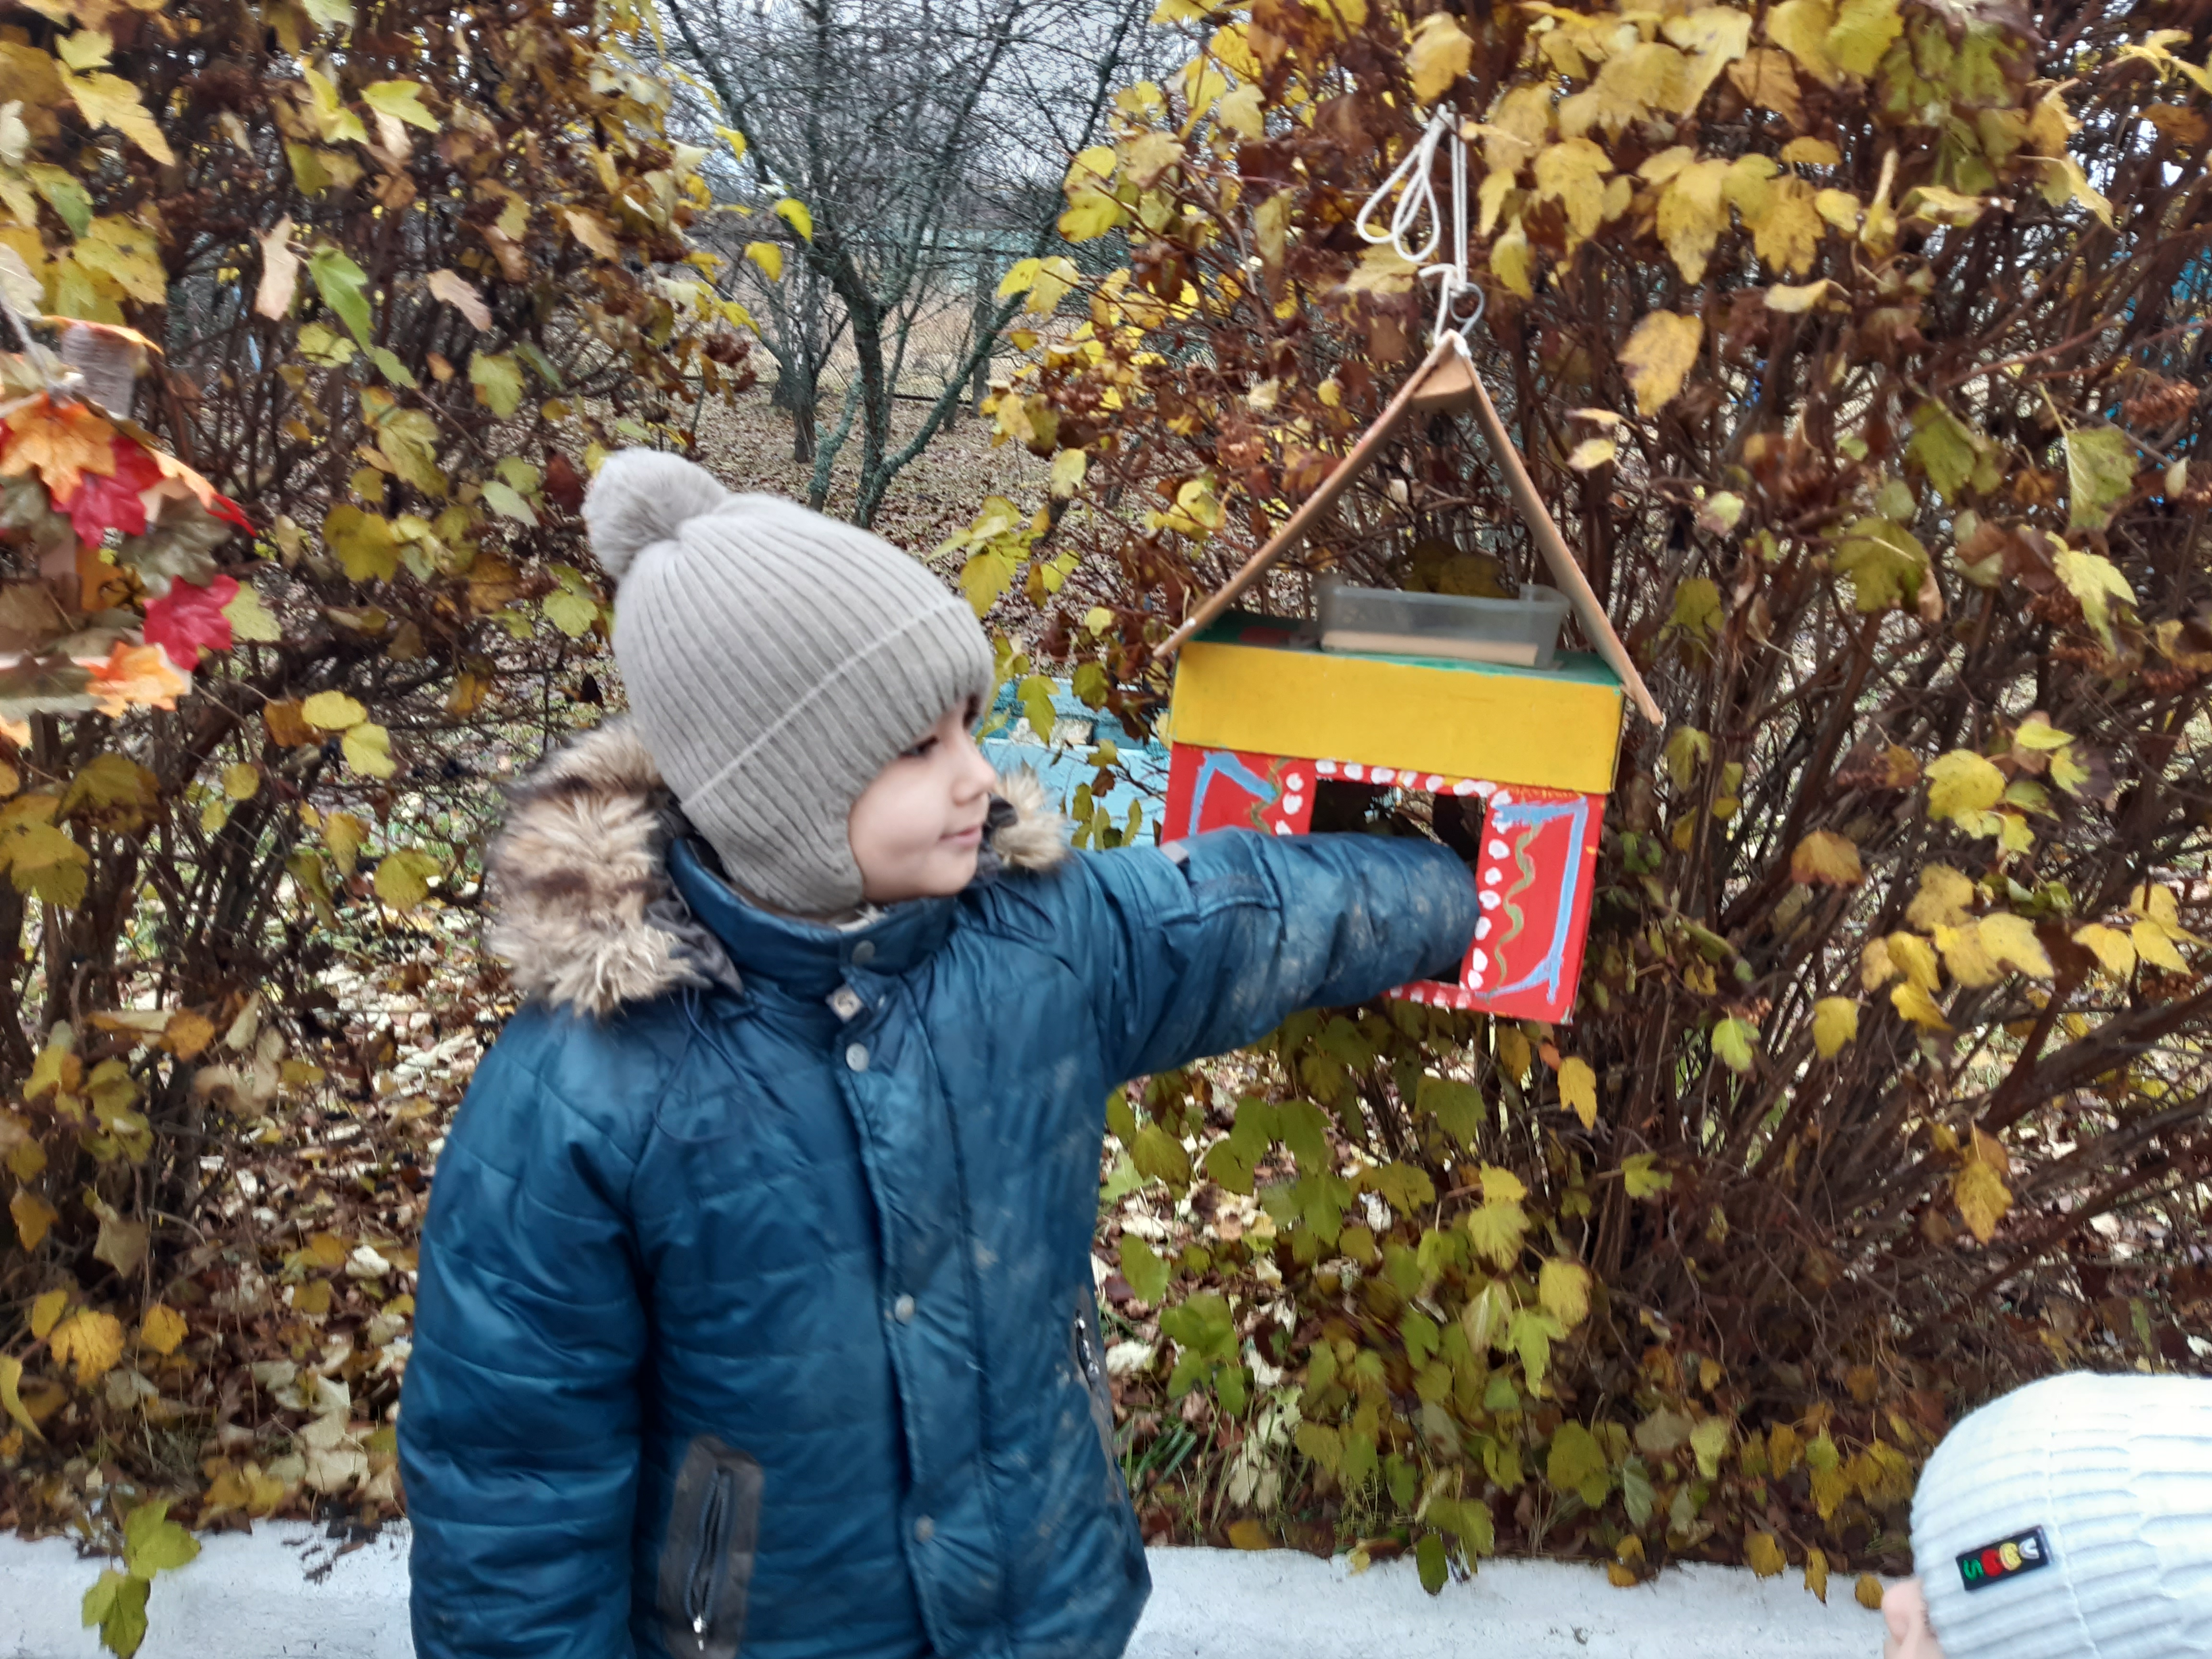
2072,1519
775,661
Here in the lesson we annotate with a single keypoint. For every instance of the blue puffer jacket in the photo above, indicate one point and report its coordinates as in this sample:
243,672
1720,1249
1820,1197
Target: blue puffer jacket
756,1299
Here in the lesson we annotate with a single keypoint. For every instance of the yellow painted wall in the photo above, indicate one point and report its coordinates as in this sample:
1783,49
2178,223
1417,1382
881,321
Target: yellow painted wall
1560,729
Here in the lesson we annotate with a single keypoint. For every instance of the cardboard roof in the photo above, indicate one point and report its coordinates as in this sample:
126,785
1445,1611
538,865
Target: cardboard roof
1446,381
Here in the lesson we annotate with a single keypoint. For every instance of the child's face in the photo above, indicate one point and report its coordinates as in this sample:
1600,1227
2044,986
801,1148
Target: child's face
917,830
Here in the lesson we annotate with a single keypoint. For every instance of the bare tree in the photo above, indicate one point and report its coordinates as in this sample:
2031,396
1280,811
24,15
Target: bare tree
927,139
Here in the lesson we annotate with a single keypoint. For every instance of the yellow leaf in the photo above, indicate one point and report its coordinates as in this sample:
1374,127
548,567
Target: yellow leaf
1382,270
1964,955
1982,1199
1439,56
46,1311
794,214
1659,356
1835,1021
1765,78
1812,153
1762,1552
1630,85
33,1216
1801,28
241,782
768,257
1916,1006
1715,36
250,619
332,711
1786,299
1578,1089
403,878
1067,469
1593,453
2091,578
1055,276
1244,112
2011,939
1961,782
402,100
1564,1288
587,227
1825,856
1573,173
1840,208
1786,230
1867,1592
2113,949
344,835
93,1342
1092,215
184,1034
367,749
2154,946
1692,214
162,1328
1816,1574
11,1398
1942,900
1509,258
1862,32
127,252
1915,959
109,100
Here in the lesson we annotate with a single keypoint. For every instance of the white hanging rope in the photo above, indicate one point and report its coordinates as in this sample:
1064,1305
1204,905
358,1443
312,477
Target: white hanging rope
56,374
1415,179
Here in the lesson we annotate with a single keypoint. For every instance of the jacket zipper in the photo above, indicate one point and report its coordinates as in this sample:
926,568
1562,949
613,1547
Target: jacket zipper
714,1526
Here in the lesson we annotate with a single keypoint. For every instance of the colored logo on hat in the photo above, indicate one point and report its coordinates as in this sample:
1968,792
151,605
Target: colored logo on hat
2009,1558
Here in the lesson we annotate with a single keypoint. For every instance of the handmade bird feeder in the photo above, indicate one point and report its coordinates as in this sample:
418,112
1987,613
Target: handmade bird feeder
1513,744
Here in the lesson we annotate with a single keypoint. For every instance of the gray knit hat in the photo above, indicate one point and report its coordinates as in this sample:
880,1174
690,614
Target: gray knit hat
2072,1519
775,661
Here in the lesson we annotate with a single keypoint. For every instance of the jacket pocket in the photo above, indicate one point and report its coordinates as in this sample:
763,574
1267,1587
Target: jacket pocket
707,1559
1088,1349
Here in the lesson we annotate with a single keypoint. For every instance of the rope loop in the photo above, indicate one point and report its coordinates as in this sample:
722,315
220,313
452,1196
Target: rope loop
1415,179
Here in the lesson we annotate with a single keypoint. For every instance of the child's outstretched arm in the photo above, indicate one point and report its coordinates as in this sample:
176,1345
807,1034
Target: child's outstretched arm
519,1431
1207,945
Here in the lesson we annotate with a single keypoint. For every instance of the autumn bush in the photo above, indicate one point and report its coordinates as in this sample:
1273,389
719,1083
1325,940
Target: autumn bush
271,634
1857,349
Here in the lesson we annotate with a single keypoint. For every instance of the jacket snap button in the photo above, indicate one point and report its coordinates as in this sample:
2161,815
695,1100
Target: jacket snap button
845,1002
857,1056
864,953
924,1530
902,1309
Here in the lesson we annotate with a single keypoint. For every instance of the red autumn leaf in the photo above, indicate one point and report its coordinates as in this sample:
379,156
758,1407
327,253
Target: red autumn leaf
225,508
187,617
99,504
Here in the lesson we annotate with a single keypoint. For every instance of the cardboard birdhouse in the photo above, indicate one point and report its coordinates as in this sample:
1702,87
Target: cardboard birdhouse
1508,761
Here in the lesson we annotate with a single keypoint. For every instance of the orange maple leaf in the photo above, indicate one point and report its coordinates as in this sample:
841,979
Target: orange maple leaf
140,676
62,440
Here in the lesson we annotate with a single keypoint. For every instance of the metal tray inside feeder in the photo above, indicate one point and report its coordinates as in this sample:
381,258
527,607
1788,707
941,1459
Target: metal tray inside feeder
1523,633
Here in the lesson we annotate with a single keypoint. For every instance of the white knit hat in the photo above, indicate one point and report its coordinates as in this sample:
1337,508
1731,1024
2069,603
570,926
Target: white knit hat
2072,1519
775,661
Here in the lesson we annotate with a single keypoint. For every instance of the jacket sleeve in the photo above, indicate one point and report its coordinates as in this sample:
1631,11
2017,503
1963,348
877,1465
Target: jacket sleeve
1204,946
520,1418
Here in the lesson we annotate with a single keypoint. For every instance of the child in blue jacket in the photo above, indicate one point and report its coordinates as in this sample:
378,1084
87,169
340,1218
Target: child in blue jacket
756,1309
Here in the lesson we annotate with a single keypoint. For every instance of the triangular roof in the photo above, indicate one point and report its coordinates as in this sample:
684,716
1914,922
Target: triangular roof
1446,380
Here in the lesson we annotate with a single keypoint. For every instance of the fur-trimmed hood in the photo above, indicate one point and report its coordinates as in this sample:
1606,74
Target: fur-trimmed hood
583,909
